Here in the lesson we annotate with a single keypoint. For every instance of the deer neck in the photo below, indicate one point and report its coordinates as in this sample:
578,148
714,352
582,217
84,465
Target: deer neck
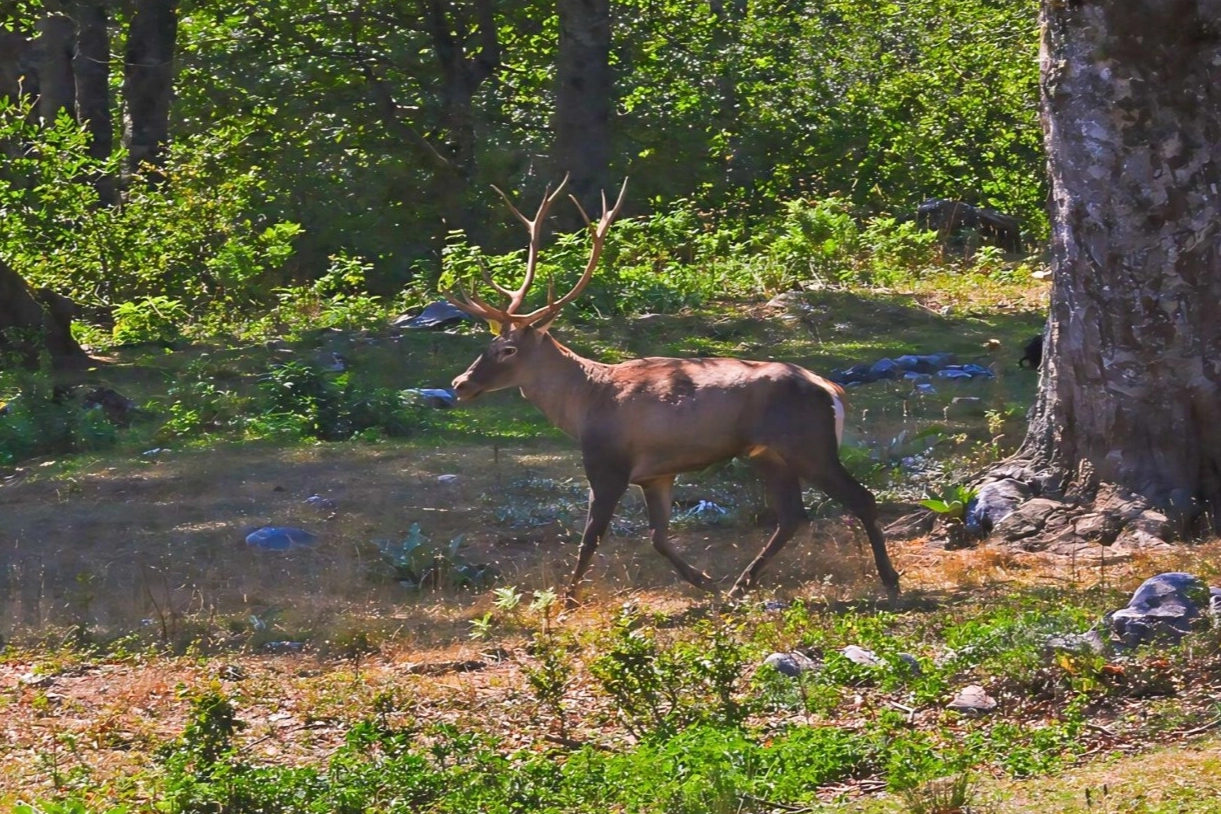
563,385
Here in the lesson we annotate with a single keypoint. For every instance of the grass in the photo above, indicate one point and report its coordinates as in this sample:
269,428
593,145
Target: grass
154,661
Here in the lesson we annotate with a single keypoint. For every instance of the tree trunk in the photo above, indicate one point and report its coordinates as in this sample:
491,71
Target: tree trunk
461,76
18,66
55,45
1126,430
148,82
91,67
583,98
32,321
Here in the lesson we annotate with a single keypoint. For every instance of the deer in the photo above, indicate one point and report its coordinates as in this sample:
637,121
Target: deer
645,421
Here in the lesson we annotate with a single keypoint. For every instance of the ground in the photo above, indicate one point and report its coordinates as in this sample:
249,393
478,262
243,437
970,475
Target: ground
129,588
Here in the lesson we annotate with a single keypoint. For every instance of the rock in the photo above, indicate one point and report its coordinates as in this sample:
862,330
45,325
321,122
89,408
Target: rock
1089,642
322,504
435,397
857,374
924,389
861,656
913,664
280,538
792,664
884,369
284,647
789,299
437,315
1164,608
978,370
447,479
964,407
1214,603
993,503
953,373
972,700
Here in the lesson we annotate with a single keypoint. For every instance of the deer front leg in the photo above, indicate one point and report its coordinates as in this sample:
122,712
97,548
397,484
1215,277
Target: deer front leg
604,495
657,496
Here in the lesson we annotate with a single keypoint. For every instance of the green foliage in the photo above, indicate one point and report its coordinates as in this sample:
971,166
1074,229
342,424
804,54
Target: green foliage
149,320
417,563
660,690
195,239
952,504
36,419
304,398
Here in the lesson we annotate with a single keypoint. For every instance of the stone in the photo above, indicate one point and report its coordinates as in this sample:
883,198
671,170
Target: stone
1089,642
964,407
447,479
861,656
792,664
972,700
1163,609
884,369
993,502
436,397
435,316
280,538
953,373
913,664
1214,603
322,504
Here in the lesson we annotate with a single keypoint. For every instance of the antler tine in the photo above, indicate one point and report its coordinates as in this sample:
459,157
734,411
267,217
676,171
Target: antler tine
476,307
599,237
487,278
534,227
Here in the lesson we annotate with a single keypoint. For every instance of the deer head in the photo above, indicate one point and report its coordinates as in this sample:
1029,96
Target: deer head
512,354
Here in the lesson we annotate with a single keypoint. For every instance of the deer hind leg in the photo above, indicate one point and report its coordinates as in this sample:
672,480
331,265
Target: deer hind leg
657,497
839,485
604,495
784,492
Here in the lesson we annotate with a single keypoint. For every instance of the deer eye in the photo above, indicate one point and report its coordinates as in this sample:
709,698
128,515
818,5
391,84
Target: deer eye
507,352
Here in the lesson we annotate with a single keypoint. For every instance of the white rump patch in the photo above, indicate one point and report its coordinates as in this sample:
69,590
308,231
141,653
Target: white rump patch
839,420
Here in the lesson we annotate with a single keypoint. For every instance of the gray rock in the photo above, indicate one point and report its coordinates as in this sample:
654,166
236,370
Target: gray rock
1214,603
322,504
964,407
912,663
280,538
435,316
972,700
436,397
993,503
792,664
953,373
885,369
1164,608
861,656
448,479
1089,642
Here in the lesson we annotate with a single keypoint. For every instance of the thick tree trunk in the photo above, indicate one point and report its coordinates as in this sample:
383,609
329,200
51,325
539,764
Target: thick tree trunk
1127,426
148,82
583,98
18,66
91,67
55,45
32,321
461,76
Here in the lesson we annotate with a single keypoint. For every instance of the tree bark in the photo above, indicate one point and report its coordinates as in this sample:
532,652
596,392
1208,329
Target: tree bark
583,98
91,67
55,45
18,66
32,321
148,82
1126,430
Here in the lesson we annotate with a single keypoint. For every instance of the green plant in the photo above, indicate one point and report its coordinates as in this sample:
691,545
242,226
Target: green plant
952,503
946,795
149,320
416,563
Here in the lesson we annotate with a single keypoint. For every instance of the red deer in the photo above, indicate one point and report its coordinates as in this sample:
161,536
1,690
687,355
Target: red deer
645,421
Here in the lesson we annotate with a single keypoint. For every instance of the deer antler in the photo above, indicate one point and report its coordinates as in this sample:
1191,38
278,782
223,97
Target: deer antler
598,231
471,304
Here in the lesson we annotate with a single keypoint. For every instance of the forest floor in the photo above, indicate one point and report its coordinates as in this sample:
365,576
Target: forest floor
129,590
